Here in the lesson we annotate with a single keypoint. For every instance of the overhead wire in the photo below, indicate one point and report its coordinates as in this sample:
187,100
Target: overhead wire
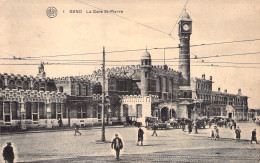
133,50
96,64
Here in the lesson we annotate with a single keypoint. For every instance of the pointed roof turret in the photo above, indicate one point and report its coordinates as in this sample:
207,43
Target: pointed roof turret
146,55
185,16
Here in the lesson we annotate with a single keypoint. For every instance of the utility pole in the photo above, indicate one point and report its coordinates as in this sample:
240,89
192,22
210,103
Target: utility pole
103,139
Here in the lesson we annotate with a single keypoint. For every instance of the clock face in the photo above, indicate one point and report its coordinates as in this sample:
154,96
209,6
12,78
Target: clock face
186,27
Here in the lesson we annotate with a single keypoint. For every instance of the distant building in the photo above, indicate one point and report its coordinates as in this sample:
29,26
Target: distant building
216,103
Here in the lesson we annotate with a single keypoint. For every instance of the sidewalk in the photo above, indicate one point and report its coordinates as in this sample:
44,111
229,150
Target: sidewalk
54,129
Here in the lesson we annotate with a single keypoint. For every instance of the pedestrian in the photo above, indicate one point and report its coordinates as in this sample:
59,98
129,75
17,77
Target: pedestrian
196,127
237,132
235,125
253,138
190,127
212,134
183,126
60,122
140,136
117,145
216,134
154,129
8,153
76,129
210,123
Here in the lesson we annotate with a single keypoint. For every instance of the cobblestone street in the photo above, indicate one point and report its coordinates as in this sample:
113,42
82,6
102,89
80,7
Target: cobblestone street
169,146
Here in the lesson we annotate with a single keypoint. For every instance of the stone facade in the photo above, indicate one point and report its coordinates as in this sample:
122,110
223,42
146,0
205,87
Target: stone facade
210,103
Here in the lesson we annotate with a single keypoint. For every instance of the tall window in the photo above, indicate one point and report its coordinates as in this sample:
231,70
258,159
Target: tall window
42,113
35,111
125,110
81,111
7,111
61,88
78,90
58,108
138,111
86,90
166,84
53,110
28,107
160,84
14,109
63,108
146,74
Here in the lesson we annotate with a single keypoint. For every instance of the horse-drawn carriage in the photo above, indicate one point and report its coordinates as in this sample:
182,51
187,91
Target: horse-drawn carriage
151,121
131,120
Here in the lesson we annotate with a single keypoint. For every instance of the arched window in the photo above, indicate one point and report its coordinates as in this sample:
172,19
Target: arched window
11,84
26,85
19,84
36,86
97,89
42,87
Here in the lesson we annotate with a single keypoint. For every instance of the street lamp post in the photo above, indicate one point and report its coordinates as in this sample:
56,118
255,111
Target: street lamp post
103,139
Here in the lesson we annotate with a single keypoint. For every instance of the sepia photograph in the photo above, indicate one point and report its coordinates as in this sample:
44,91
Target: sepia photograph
130,81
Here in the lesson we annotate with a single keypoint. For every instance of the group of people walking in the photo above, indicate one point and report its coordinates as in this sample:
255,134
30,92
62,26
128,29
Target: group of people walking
214,133
190,126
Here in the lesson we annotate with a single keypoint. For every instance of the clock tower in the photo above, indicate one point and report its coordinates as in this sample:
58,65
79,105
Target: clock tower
185,30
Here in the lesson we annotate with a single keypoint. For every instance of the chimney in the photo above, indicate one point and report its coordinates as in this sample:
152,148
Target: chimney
239,92
203,76
225,91
218,89
210,78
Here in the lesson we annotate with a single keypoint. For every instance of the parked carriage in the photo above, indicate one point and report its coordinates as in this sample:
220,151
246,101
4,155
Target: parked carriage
149,121
131,120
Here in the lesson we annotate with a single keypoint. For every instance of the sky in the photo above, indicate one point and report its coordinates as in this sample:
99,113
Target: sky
26,31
